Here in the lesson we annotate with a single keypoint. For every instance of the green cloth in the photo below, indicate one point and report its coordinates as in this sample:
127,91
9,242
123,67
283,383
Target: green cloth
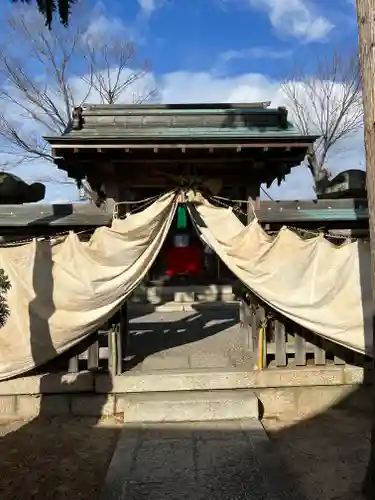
181,218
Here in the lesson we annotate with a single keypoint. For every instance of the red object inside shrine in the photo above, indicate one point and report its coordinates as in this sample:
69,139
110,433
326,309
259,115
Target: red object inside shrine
184,260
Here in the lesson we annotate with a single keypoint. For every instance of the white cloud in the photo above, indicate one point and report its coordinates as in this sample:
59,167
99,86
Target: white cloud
101,27
185,86
149,6
205,87
295,18
254,53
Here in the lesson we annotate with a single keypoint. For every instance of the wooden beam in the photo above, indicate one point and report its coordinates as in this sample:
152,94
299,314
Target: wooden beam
58,146
173,156
241,162
52,215
81,214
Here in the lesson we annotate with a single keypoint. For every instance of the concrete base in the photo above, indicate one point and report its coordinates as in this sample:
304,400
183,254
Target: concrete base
190,406
281,393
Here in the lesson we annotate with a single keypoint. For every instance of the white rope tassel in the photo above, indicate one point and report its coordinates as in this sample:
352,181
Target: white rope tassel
251,205
115,212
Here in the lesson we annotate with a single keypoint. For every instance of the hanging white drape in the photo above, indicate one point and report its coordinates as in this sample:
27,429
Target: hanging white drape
61,293
320,286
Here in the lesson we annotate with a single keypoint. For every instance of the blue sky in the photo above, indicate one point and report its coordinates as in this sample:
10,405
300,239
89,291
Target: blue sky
221,50
200,35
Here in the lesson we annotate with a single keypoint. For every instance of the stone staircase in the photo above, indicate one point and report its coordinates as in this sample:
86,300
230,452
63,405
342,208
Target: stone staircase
182,396
190,406
163,306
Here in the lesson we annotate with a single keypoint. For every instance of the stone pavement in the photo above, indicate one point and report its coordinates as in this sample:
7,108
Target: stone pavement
193,461
181,340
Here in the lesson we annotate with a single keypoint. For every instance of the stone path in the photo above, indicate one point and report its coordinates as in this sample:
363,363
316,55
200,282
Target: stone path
193,461
183,340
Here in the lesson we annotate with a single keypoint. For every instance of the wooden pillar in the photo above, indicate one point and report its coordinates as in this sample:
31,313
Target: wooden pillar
119,334
118,340
366,28
111,192
247,320
246,324
124,333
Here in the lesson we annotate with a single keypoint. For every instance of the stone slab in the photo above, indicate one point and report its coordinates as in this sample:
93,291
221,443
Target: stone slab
188,406
209,360
49,384
44,405
192,467
8,406
160,362
175,490
277,401
318,399
280,485
356,375
119,468
221,378
92,405
160,460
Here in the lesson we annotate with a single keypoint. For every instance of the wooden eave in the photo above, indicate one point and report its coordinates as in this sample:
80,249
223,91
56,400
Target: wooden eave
84,143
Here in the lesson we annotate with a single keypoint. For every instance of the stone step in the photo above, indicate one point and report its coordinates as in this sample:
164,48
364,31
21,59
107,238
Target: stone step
203,379
189,406
183,294
143,307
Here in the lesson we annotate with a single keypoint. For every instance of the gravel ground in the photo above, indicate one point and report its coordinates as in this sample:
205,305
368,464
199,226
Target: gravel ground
56,459
326,455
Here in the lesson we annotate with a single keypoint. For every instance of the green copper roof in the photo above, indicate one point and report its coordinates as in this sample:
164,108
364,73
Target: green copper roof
188,133
175,122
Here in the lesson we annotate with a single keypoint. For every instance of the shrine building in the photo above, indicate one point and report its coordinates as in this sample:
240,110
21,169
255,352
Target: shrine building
132,152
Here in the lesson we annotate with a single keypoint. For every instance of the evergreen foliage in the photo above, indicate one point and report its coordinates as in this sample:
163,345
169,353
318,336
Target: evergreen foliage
48,9
4,287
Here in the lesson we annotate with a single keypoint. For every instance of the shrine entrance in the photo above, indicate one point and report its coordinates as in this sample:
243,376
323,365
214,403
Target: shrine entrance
185,260
185,312
185,315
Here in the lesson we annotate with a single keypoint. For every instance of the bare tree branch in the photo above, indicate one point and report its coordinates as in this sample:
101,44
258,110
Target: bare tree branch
111,74
48,73
328,103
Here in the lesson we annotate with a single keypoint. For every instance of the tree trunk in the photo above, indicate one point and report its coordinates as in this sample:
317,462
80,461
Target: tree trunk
366,28
318,172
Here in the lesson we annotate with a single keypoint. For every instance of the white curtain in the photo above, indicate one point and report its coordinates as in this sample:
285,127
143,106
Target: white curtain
61,293
320,286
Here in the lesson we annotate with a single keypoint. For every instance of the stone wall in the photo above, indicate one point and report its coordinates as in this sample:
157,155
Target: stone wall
286,392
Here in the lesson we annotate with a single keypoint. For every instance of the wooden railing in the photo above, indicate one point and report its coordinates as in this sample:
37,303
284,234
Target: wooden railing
278,342
281,344
103,350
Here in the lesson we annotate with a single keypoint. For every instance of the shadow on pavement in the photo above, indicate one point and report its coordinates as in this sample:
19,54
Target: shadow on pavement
160,332
320,457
